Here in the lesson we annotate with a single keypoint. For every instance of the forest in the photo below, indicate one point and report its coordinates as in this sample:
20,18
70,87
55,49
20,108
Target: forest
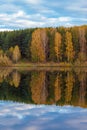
44,45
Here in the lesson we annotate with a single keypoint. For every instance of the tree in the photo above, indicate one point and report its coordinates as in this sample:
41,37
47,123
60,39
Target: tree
10,52
1,52
75,40
5,61
57,45
38,45
82,42
16,54
69,47
51,50
62,31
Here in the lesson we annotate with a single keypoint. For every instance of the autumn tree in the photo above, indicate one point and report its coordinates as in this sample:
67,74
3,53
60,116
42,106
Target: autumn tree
75,40
57,45
10,52
1,52
16,54
69,47
62,31
60,44
83,46
38,45
5,61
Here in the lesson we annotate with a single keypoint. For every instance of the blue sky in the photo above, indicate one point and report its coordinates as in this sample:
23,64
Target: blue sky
16,14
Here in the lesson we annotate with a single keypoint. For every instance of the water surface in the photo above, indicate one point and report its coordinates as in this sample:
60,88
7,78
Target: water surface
38,99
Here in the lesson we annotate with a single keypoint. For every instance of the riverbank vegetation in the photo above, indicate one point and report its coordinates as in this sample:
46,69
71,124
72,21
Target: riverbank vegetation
58,46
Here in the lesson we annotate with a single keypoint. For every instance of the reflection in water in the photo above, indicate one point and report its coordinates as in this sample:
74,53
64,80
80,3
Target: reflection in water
69,86
38,87
61,90
16,78
44,87
83,87
4,72
17,116
57,87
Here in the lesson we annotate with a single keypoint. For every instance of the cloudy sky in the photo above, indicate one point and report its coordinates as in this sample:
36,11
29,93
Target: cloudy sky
16,14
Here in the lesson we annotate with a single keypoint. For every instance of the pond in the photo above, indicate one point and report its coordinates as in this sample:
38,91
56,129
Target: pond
43,99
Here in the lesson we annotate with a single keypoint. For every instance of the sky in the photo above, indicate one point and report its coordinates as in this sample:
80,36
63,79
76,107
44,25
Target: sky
20,14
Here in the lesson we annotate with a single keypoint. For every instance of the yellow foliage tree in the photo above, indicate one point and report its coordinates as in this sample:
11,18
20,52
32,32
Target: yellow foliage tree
10,52
58,45
38,45
16,54
1,52
83,47
5,61
69,47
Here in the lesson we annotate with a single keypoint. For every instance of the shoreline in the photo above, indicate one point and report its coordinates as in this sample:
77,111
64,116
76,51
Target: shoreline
49,65
45,65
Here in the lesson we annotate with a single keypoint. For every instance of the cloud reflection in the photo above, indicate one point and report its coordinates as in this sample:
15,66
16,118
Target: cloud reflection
40,117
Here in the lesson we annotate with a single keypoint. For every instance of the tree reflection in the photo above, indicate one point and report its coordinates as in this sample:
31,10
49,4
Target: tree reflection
82,89
69,86
57,86
16,78
38,87
44,87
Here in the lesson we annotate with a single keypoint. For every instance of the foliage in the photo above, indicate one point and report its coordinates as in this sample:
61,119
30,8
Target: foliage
69,47
16,54
45,44
57,45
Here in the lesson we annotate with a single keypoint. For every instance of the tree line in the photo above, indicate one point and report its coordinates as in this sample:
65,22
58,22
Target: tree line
60,44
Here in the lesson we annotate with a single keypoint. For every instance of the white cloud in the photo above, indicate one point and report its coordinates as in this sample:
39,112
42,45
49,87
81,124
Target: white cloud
5,29
75,8
65,19
22,20
77,5
9,7
20,13
34,1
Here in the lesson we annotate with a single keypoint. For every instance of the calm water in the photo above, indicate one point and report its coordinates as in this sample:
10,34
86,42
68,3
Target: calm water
43,99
